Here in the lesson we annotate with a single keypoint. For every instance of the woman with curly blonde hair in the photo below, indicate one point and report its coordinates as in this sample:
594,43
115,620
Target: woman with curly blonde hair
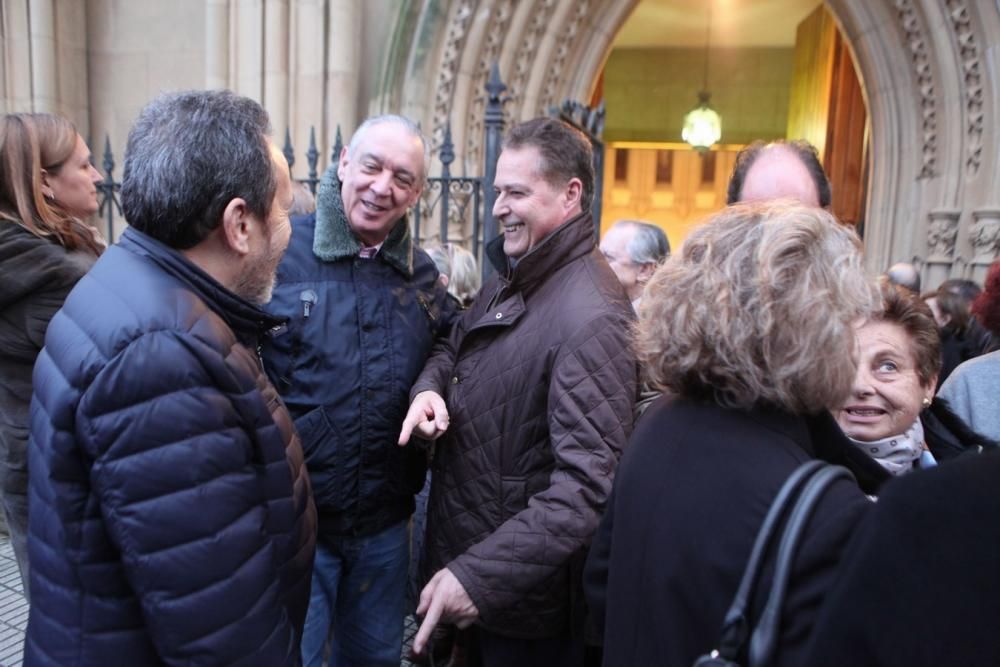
748,330
47,187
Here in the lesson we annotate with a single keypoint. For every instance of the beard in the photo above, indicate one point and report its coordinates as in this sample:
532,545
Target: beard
256,283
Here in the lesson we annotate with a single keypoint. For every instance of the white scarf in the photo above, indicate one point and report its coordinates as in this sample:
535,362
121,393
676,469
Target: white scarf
898,454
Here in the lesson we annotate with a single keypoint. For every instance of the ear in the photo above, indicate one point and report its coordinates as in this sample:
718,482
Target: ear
573,193
47,190
342,164
929,389
236,227
646,272
414,196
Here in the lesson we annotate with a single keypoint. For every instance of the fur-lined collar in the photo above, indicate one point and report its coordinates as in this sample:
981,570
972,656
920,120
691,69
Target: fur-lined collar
334,239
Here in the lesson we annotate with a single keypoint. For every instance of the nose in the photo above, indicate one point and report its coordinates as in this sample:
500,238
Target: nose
500,207
862,382
381,184
95,176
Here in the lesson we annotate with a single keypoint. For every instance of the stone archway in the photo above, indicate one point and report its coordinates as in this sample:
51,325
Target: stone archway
930,96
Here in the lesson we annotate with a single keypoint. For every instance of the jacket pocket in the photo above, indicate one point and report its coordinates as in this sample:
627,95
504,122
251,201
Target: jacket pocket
325,458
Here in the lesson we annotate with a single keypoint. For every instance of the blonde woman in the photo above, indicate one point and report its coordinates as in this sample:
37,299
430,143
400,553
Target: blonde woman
47,186
748,329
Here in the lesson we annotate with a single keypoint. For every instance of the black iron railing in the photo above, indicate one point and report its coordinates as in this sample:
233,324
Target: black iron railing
457,202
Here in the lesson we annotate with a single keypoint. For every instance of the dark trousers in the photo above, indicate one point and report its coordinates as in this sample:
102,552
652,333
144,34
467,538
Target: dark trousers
486,649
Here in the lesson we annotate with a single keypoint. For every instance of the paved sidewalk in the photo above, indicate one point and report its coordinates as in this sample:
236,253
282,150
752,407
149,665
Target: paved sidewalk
13,608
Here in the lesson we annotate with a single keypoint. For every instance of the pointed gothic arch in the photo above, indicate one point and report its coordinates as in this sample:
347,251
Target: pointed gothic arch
933,192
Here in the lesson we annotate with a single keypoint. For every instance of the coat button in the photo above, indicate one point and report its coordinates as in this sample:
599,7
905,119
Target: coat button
454,380
499,315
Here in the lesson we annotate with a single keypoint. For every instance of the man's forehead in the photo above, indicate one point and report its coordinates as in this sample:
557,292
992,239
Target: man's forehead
520,163
392,142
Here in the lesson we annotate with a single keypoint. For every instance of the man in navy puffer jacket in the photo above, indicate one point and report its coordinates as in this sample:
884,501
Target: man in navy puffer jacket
171,515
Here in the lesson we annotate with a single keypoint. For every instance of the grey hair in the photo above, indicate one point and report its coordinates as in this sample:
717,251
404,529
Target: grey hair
188,155
649,244
757,309
403,121
465,276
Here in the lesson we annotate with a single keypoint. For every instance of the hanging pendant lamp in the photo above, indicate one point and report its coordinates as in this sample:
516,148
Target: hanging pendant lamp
703,125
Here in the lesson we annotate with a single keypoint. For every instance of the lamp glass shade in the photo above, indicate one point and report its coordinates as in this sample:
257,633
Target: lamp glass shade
702,127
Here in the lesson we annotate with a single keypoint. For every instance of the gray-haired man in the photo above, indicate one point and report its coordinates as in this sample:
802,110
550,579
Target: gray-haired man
364,307
634,249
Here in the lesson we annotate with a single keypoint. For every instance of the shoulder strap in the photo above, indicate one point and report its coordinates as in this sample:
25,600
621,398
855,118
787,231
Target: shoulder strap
736,627
765,635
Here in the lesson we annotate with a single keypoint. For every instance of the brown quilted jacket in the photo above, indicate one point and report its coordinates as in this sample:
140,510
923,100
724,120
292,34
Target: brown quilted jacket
540,381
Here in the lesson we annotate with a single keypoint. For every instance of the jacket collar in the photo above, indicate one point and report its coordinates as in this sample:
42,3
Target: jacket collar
820,436
334,239
568,241
246,320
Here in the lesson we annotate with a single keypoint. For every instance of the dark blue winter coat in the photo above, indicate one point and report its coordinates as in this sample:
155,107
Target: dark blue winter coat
170,513
358,334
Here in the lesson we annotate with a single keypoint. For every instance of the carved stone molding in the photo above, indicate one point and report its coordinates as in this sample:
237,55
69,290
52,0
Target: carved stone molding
985,235
913,32
563,47
961,23
496,34
942,234
448,70
527,51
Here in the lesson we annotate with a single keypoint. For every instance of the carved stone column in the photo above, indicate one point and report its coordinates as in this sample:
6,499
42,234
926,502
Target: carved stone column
306,84
42,16
942,232
342,65
217,44
275,97
247,73
984,235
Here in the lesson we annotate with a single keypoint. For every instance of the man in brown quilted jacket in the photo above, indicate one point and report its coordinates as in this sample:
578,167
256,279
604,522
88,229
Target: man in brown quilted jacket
531,402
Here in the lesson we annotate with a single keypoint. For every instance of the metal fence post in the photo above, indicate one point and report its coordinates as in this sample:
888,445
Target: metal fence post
447,156
494,125
108,187
287,150
338,147
312,158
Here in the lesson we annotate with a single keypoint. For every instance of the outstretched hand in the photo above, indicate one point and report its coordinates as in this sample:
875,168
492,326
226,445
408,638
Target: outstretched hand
427,416
443,599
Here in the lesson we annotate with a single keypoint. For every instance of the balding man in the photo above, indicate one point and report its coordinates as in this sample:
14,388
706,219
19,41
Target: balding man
779,170
904,275
634,249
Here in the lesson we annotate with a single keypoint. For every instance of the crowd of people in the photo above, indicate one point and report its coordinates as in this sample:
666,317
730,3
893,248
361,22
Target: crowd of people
262,428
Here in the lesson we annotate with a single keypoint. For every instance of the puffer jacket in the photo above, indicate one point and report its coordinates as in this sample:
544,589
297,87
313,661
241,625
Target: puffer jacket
171,518
36,275
358,333
540,380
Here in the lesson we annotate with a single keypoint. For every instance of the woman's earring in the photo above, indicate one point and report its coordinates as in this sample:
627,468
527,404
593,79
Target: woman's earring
927,403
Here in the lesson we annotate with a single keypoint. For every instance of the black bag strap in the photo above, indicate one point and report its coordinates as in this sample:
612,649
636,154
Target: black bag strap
815,477
764,641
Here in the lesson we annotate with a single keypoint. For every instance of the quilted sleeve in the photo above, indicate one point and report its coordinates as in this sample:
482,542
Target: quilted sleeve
441,362
178,471
591,397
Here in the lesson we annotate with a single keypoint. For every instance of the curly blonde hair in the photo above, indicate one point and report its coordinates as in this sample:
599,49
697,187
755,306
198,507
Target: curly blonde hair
757,309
